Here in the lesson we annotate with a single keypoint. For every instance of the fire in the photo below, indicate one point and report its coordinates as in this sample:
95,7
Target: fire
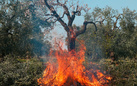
66,69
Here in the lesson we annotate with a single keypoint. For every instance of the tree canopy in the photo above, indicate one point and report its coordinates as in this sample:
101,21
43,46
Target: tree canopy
20,29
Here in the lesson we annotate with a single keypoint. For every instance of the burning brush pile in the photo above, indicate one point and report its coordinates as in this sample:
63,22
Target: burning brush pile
68,70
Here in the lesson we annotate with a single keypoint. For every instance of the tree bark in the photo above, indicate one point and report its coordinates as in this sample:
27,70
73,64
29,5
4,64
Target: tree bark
71,38
71,43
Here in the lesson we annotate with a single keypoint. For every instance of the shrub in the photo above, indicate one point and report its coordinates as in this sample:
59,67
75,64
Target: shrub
123,71
18,72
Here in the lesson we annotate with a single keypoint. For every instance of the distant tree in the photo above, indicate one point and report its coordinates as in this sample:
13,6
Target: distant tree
99,44
116,33
19,27
14,29
125,43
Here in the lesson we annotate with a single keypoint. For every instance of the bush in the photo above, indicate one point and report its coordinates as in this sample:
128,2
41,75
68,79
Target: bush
123,71
20,72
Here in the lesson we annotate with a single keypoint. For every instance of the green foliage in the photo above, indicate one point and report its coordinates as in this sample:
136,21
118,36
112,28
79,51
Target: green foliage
14,29
20,72
116,33
123,71
125,43
20,30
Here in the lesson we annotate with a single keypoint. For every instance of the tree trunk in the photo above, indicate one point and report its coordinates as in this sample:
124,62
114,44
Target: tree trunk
71,43
71,38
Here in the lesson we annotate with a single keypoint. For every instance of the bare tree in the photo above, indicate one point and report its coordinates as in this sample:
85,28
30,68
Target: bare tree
72,32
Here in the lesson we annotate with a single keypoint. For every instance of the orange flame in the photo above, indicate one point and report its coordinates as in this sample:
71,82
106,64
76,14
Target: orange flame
68,70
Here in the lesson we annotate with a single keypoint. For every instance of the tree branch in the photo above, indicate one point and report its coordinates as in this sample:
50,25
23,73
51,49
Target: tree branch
115,23
57,16
63,15
64,7
84,27
52,16
48,18
100,22
73,17
49,15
